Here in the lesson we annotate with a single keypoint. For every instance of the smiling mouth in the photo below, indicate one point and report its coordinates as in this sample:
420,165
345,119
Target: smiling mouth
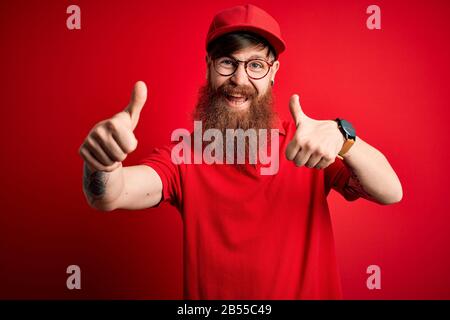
236,100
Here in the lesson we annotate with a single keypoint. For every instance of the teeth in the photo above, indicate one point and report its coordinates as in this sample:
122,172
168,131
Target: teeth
237,99
235,94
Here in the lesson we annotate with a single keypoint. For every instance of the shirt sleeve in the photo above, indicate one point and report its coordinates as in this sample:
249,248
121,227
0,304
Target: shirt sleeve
160,161
339,177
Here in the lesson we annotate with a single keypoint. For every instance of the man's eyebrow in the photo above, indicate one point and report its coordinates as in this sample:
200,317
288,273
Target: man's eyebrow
255,56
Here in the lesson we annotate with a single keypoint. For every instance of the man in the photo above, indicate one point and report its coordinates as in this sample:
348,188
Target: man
247,235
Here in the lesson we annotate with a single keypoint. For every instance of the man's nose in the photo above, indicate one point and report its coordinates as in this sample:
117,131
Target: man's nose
240,76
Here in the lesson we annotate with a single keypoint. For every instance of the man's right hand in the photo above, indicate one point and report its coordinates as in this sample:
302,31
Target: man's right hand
110,141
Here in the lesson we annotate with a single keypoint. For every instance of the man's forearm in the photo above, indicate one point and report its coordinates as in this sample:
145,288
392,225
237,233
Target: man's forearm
102,188
373,173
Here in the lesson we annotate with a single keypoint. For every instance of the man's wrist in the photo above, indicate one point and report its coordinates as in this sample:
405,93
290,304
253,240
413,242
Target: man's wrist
351,151
348,135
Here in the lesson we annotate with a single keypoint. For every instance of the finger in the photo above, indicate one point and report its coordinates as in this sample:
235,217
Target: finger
296,110
313,160
93,163
292,149
125,139
323,163
302,157
110,146
97,151
137,101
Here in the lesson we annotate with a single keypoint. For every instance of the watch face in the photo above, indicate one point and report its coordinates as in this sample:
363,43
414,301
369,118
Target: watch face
348,128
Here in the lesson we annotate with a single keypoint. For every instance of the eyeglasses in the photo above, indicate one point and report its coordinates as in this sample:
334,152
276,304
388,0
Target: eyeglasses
255,68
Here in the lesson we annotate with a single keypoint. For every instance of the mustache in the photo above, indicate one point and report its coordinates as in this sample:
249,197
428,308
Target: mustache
228,89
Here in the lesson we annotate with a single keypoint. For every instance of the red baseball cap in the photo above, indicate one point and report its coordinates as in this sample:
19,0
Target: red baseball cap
247,18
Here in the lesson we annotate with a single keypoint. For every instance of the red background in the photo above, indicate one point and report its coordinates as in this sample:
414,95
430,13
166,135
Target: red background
392,84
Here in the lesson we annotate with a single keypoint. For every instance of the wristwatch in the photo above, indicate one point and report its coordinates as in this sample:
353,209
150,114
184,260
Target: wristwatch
349,134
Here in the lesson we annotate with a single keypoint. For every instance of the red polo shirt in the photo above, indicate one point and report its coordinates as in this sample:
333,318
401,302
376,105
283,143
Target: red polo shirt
253,236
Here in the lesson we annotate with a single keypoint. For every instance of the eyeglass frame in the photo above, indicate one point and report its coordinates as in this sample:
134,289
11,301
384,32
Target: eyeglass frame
245,62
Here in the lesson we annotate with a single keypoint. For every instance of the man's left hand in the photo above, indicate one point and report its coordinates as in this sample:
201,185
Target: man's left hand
316,143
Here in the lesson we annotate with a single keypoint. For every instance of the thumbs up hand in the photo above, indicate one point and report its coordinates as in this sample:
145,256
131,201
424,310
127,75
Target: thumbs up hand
110,141
316,143
137,101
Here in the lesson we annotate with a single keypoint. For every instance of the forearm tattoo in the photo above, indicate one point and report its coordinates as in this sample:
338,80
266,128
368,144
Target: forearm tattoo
354,186
94,183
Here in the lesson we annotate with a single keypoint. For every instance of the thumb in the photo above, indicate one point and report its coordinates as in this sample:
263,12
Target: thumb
296,110
137,101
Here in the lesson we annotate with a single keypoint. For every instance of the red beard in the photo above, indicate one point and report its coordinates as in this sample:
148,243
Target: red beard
214,113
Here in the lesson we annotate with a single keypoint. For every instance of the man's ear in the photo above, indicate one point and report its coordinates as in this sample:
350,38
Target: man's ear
208,60
274,69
